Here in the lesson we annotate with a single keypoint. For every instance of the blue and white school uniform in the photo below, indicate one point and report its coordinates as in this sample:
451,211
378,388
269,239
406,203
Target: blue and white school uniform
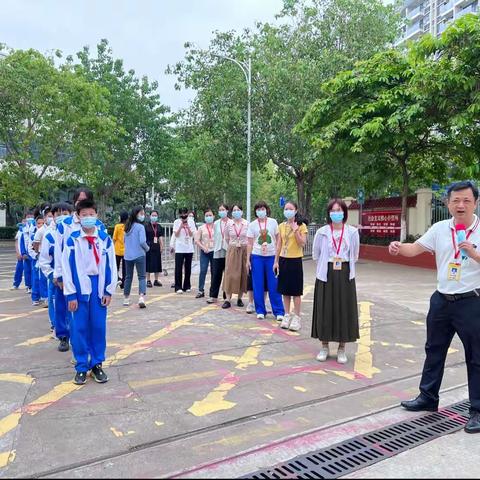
27,261
39,281
17,276
89,272
46,262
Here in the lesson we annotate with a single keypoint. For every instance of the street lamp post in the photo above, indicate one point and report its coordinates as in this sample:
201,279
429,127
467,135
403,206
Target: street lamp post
247,71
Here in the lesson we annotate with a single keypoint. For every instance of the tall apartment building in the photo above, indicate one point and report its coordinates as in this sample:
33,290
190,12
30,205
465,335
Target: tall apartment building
432,16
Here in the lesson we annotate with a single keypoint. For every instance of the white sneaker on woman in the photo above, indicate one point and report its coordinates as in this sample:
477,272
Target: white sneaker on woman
141,302
295,325
286,322
323,354
126,302
260,316
342,356
250,308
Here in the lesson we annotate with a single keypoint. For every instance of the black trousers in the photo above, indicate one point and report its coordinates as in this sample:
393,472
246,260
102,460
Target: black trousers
443,321
218,267
120,259
182,259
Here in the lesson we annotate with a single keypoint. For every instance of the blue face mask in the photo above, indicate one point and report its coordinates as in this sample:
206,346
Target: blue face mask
289,214
140,218
154,219
208,218
31,221
48,220
261,213
222,213
237,214
88,222
60,219
336,217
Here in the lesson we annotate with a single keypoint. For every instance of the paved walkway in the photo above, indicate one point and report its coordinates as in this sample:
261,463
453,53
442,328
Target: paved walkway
196,391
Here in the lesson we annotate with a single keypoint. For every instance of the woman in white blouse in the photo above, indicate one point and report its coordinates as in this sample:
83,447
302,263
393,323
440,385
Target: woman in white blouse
335,313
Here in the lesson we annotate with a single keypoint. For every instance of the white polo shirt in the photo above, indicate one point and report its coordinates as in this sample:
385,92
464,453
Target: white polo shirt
438,239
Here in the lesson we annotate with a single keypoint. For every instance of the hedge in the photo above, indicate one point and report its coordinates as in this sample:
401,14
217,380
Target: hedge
8,233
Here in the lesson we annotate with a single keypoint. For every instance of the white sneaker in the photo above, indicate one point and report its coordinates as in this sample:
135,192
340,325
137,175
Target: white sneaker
342,357
28,290
141,302
260,316
35,303
323,354
280,318
188,291
13,288
179,292
285,322
45,303
126,302
250,308
295,325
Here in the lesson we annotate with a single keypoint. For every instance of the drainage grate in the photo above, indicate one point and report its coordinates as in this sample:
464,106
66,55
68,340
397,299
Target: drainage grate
364,450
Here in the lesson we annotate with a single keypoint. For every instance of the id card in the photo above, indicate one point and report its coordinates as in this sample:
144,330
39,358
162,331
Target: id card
337,263
155,239
454,271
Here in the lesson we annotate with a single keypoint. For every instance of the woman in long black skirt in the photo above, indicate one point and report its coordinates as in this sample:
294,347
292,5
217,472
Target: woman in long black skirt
335,313
155,238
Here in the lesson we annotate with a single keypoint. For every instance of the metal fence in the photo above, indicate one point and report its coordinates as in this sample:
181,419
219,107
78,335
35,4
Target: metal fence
168,258
440,210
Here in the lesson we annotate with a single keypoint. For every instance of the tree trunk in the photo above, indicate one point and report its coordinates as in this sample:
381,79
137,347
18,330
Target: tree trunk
301,194
404,215
102,206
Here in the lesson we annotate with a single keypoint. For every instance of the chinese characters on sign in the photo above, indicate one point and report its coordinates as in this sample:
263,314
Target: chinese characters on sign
381,223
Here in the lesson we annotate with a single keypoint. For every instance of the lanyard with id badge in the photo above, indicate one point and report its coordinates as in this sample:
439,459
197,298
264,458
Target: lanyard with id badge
454,271
337,261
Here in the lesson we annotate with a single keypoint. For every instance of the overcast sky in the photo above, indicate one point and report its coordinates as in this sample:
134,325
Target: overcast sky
147,34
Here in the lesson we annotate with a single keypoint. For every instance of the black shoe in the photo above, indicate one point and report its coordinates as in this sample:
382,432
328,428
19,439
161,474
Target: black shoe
156,283
172,285
420,405
80,378
200,295
149,284
121,286
63,345
98,374
226,304
473,425
240,303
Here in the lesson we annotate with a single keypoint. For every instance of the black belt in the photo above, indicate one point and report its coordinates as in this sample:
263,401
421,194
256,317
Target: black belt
461,296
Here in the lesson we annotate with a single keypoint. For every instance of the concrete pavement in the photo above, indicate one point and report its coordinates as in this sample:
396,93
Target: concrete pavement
196,391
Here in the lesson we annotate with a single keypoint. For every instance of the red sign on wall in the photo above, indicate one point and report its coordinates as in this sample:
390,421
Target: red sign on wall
384,223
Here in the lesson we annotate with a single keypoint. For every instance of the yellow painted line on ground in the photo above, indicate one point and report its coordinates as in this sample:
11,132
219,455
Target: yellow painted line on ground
146,342
11,421
215,400
23,315
35,341
6,458
173,379
8,300
300,389
364,358
16,378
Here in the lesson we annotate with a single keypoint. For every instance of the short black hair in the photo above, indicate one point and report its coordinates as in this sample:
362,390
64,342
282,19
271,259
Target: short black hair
83,204
123,216
237,205
183,211
61,207
457,186
262,204
207,210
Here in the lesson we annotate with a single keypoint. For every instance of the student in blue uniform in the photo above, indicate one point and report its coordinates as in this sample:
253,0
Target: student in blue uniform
18,275
89,280
37,288
24,242
56,300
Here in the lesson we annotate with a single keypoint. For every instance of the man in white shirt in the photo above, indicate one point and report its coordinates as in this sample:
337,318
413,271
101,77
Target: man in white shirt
455,306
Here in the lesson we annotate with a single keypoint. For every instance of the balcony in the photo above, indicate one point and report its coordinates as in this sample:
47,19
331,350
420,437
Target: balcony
442,27
473,8
412,3
447,8
462,3
414,31
415,14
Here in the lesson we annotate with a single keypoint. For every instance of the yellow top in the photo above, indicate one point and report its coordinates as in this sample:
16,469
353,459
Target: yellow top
290,248
119,239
